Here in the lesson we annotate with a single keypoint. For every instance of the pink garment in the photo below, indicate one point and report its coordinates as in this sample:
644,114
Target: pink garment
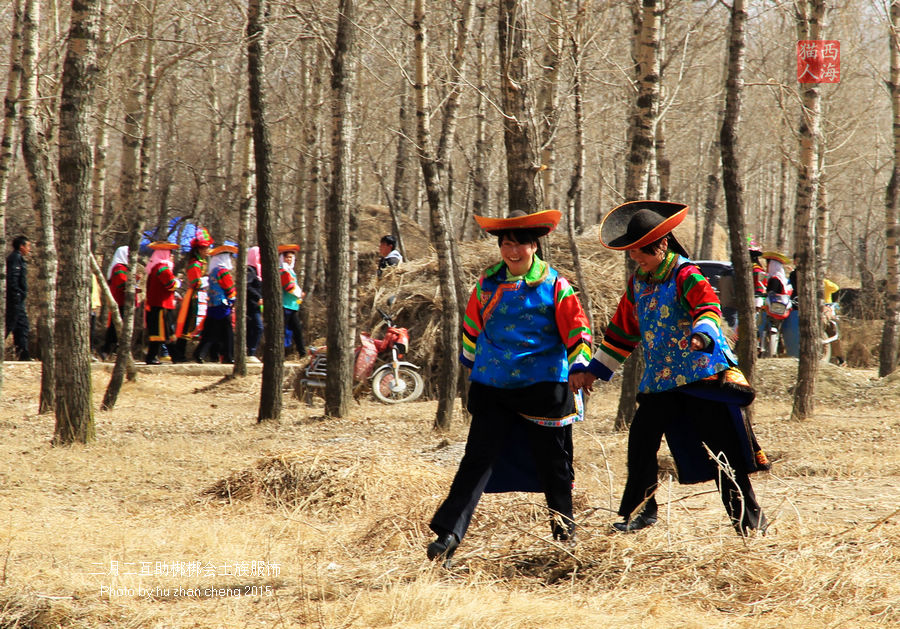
253,260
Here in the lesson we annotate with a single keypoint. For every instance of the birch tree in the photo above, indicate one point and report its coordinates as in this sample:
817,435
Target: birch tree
74,406
440,228
889,337
8,143
810,24
339,382
40,176
270,398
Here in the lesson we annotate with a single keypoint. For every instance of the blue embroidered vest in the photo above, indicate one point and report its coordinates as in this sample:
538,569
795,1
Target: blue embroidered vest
666,337
215,292
520,343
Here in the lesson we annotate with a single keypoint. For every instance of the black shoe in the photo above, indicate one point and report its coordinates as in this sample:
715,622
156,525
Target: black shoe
636,523
443,547
153,361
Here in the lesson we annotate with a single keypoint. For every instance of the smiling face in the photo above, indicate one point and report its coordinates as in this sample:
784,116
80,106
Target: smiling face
517,256
648,262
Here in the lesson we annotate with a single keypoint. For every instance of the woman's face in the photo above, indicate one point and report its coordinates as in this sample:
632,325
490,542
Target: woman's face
517,256
289,258
648,262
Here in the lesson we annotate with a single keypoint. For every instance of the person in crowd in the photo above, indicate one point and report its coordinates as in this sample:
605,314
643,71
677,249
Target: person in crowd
291,297
116,278
779,303
195,269
760,277
217,339
160,299
387,248
524,335
690,390
254,303
16,293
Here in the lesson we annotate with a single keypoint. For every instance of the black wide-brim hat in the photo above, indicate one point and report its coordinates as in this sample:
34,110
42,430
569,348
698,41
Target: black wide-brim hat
636,224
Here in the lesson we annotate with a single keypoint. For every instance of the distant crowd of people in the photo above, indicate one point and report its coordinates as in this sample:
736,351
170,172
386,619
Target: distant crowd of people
194,304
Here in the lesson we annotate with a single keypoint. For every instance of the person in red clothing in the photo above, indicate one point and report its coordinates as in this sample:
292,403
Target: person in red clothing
161,285
195,269
218,333
116,277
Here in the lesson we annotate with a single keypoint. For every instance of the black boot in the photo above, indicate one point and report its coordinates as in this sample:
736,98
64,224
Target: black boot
636,523
443,547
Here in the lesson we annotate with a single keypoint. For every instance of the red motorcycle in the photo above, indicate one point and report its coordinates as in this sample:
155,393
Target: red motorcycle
395,381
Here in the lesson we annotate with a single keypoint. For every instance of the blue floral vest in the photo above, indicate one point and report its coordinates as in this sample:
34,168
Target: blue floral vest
520,343
666,327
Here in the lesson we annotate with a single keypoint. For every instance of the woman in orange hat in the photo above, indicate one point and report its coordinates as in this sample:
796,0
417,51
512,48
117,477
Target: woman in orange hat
291,297
690,390
218,334
161,285
524,333
195,269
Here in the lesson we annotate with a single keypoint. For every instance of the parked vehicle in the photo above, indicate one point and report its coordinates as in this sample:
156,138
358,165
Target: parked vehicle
394,381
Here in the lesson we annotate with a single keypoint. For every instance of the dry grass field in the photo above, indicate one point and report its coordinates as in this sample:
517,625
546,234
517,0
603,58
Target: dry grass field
186,513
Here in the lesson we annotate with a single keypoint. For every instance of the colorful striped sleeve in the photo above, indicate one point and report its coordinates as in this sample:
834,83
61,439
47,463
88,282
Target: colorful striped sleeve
226,280
573,325
287,281
700,300
621,337
472,326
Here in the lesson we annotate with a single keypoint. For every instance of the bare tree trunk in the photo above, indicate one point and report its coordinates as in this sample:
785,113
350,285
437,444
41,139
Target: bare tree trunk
74,406
101,136
440,231
8,146
887,360
521,153
548,106
245,205
339,385
134,194
575,193
643,117
734,192
713,185
481,203
270,398
810,19
39,177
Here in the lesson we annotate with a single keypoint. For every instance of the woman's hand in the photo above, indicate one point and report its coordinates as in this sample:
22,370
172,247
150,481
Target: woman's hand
582,380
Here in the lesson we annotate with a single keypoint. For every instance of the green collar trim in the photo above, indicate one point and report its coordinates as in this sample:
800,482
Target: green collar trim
535,275
662,272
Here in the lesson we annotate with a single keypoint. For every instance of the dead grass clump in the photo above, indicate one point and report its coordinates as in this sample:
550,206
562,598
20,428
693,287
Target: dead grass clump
296,481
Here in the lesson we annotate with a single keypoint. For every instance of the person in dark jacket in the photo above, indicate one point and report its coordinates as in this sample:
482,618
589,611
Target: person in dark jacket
16,292
254,303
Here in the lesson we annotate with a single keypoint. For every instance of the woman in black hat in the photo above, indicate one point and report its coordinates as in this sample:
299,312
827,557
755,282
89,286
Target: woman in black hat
691,390
524,334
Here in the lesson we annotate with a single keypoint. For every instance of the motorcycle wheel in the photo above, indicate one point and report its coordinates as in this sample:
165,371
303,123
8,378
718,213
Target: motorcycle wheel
407,388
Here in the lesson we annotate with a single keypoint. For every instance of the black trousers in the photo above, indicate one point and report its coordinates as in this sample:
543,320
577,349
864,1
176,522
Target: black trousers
292,323
710,420
17,323
217,339
488,433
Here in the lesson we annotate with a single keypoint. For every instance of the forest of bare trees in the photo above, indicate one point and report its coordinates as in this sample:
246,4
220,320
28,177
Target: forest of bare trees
442,110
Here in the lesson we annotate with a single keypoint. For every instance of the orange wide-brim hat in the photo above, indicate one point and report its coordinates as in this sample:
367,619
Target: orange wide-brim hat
543,222
162,245
223,249
636,224
291,248
777,255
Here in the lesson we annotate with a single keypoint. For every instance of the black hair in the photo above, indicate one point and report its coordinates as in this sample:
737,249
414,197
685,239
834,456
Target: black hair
19,241
521,236
389,240
654,246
